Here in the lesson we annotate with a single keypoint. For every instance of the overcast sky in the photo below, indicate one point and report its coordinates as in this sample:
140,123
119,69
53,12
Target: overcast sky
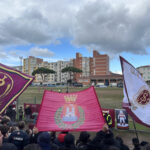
57,29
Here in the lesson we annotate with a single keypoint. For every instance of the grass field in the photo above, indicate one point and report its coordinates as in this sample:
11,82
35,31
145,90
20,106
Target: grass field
108,98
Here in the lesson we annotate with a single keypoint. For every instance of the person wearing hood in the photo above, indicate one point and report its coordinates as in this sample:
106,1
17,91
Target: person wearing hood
69,143
83,141
8,146
59,141
19,137
44,141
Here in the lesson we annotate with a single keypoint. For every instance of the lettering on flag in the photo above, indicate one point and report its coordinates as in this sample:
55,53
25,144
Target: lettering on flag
78,111
12,84
136,94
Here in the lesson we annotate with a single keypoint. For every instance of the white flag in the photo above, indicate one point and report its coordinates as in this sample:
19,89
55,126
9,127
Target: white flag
136,94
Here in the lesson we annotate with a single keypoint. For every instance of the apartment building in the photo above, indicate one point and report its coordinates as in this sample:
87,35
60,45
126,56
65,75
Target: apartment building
30,64
93,69
57,67
145,72
99,64
91,66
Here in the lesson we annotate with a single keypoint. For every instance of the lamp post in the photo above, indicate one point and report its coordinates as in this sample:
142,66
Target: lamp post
21,58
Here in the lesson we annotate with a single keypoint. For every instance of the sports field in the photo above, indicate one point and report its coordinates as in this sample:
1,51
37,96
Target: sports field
110,97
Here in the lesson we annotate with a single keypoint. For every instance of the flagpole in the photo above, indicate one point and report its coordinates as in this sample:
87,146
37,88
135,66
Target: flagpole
128,98
135,129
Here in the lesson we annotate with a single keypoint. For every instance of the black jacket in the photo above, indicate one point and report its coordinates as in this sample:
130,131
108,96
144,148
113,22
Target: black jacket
19,138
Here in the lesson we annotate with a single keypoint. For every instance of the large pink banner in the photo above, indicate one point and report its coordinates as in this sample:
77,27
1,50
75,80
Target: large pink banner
12,84
78,111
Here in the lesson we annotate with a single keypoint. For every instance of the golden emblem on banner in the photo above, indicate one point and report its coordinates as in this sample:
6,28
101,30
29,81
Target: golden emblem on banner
6,84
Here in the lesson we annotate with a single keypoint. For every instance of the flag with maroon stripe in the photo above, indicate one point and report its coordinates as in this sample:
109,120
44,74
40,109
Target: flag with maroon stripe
136,94
12,84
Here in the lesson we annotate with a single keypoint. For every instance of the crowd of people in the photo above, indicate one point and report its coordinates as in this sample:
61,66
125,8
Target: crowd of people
22,113
21,136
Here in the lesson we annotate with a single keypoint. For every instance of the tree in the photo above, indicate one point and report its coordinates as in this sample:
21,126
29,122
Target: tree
43,72
71,70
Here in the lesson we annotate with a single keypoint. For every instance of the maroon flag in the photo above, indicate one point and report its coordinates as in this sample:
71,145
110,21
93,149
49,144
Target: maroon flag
12,84
136,94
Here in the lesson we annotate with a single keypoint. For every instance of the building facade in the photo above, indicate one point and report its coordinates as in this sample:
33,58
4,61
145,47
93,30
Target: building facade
145,72
32,63
99,64
95,70
82,63
95,66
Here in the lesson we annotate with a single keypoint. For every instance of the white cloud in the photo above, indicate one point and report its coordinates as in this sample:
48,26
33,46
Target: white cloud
41,52
118,72
110,26
114,27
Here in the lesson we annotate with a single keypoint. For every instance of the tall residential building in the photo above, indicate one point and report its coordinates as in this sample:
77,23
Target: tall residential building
62,77
145,72
94,66
99,64
30,64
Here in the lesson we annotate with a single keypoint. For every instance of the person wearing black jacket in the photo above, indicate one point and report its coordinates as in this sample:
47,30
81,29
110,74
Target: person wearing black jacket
9,112
83,141
20,137
68,143
28,113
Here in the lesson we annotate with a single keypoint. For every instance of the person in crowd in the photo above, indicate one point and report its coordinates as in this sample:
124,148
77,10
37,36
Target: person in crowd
69,143
108,141
29,132
136,144
8,146
5,121
94,144
9,112
113,148
83,141
59,140
122,145
20,137
1,139
28,113
35,116
34,135
14,114
44,141
5,132
143,143
13,128
20,111
108,119
146,147
53,136
32,147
